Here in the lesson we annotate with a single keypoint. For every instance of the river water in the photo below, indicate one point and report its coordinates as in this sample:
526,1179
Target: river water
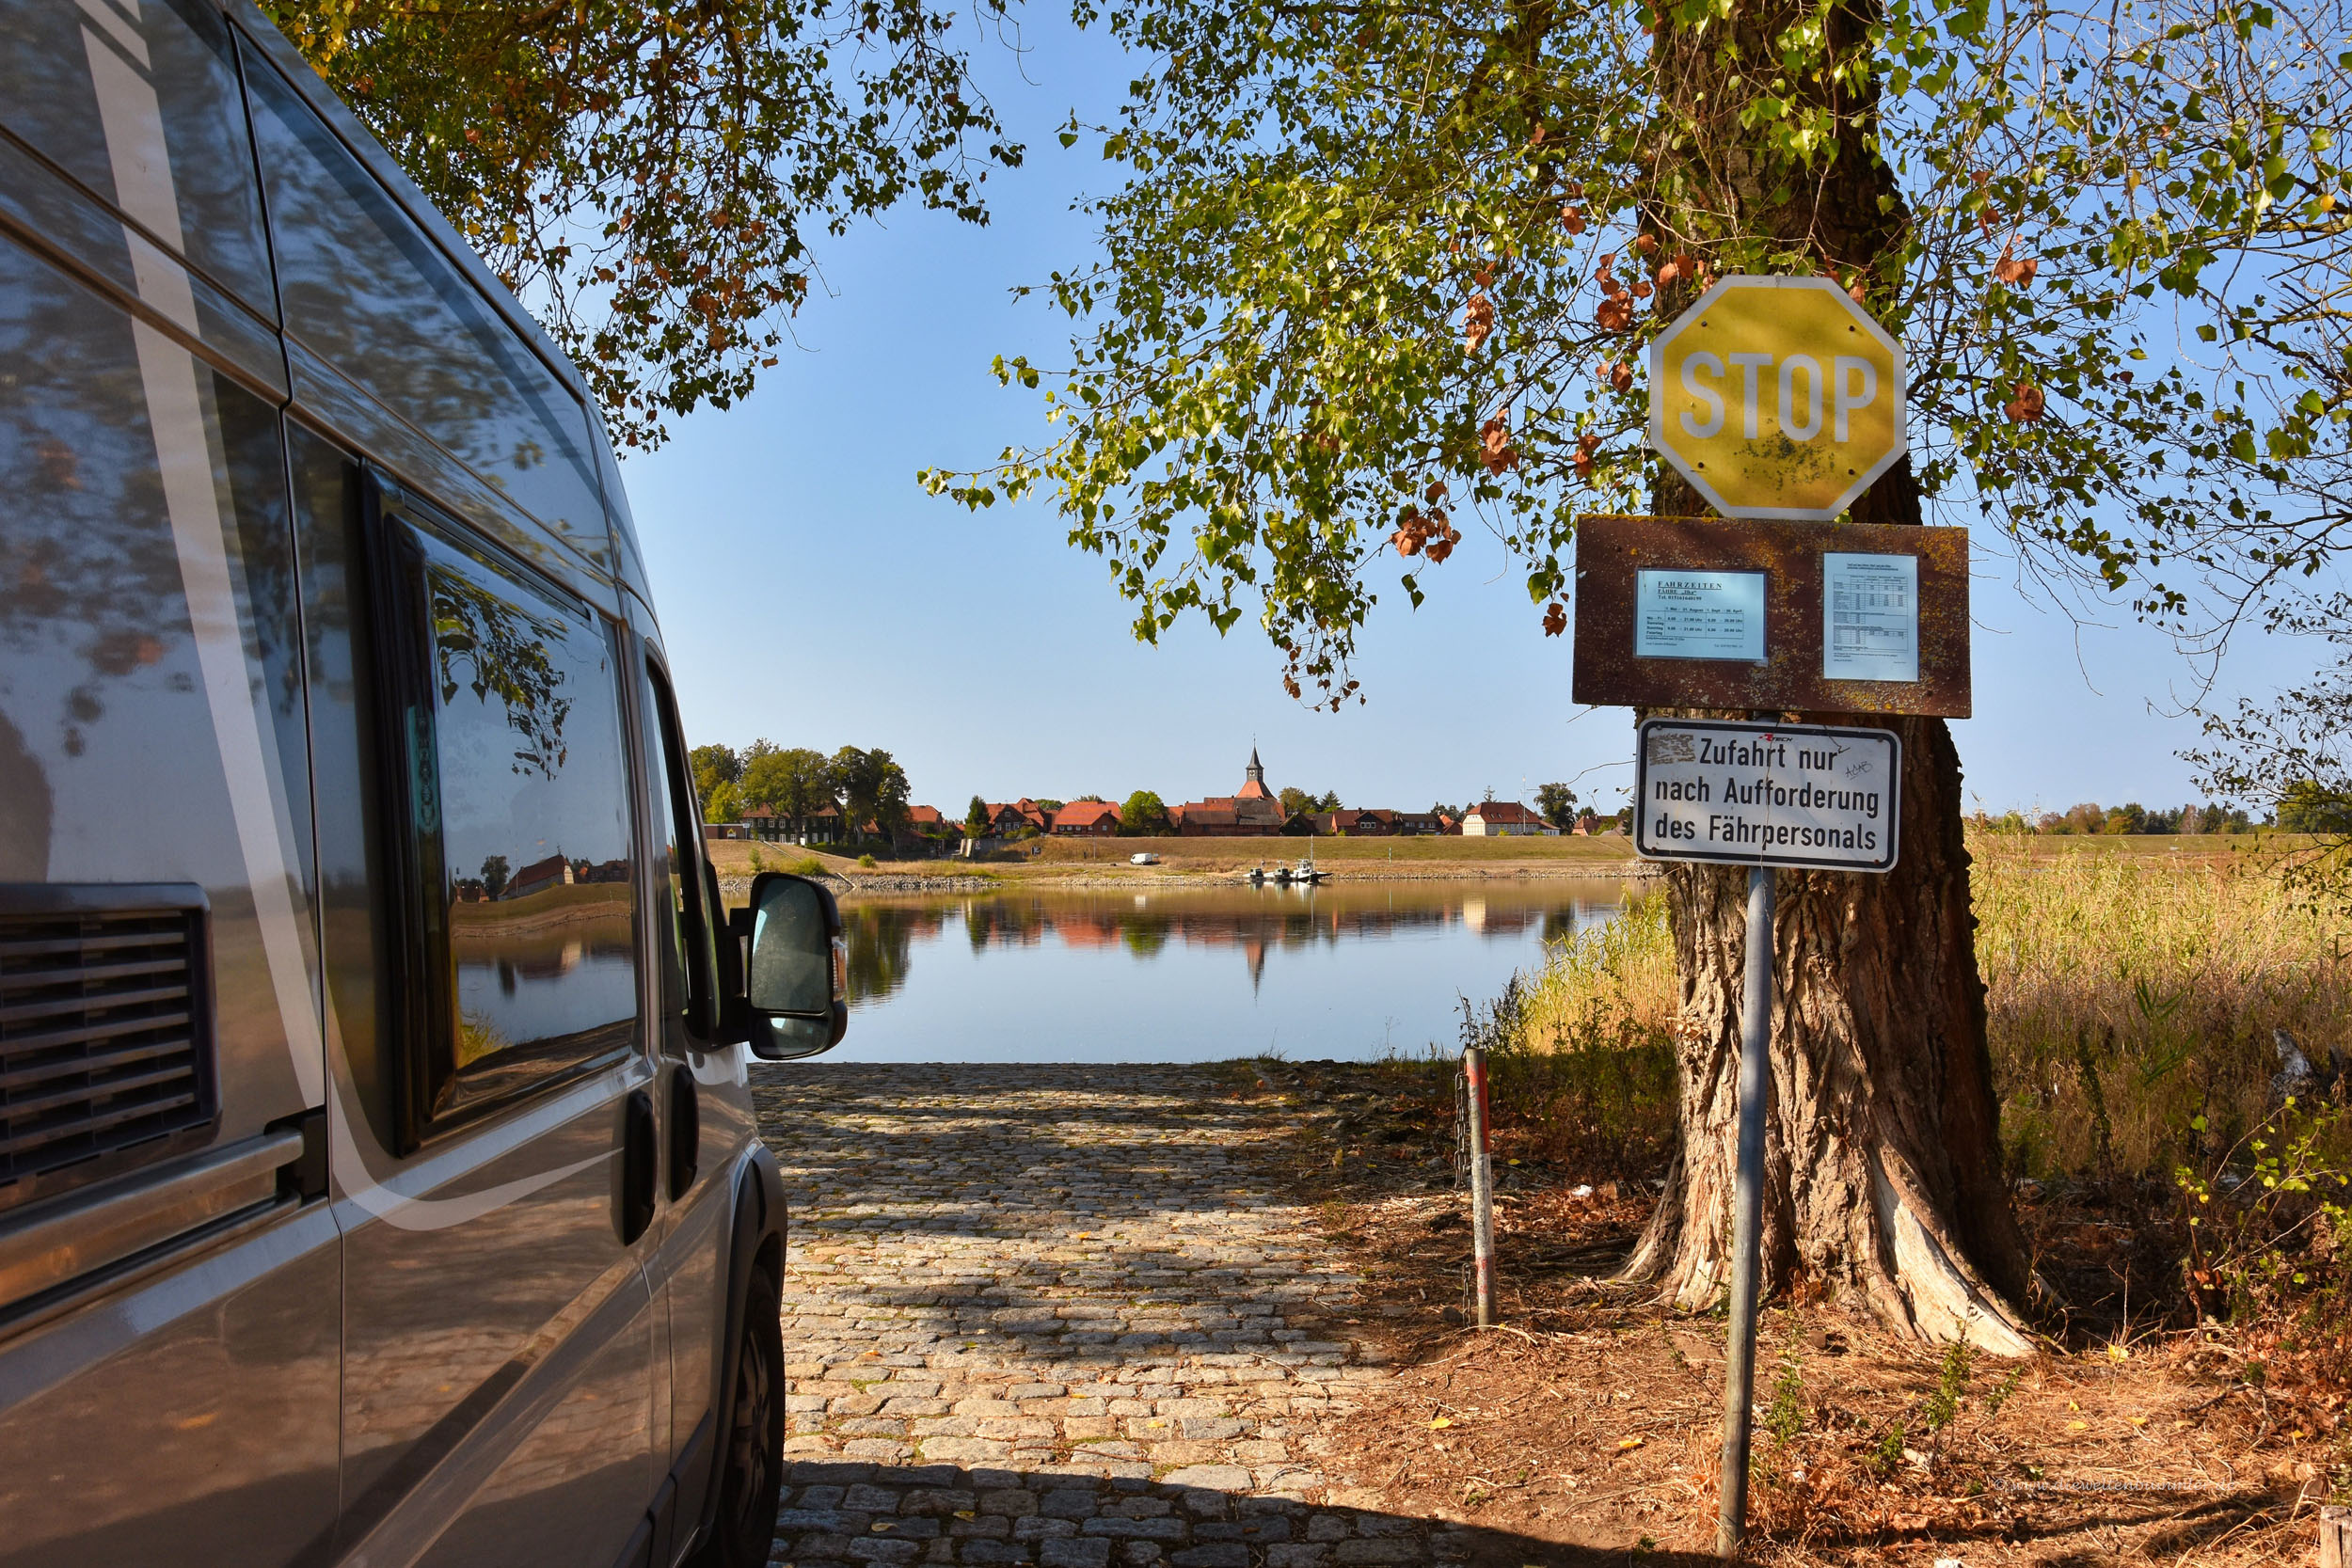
1348,970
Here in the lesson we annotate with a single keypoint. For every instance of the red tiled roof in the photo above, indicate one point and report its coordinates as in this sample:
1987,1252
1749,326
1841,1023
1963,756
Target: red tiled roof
1084,814
1509,812
924,817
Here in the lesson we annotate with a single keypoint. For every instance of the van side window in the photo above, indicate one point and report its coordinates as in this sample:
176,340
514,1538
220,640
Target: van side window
690,961
508,735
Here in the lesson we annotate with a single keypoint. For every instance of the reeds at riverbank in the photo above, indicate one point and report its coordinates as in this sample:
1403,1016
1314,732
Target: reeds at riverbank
2126,997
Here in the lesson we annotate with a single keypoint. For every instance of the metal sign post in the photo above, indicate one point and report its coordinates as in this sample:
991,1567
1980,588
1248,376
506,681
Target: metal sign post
1747,1211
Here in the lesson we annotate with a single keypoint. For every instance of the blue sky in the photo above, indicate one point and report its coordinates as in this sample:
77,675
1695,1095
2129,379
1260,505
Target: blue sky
812,594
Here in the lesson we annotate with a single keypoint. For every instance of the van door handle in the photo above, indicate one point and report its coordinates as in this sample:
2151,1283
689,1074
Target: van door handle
638,1165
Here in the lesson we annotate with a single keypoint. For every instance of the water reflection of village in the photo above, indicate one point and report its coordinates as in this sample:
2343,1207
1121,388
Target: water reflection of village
1257,924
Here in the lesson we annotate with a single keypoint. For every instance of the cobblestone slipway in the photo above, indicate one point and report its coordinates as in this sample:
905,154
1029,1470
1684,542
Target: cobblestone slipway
1047,1315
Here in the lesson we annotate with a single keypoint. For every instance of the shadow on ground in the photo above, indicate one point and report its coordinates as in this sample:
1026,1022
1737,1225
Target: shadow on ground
842,1513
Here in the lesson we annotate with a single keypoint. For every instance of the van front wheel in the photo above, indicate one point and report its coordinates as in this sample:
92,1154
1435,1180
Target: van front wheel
751,1489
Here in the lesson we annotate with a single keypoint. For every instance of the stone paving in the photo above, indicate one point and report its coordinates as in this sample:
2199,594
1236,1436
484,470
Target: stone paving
1048,1315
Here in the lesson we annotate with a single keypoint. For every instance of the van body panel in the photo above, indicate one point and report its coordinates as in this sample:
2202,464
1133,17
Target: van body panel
499,1360
261,38
405,453
155,619
189,1419
363,288
47,213
327,607
143,112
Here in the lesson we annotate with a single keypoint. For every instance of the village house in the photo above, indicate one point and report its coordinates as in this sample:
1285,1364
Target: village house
1014,819
1087,820
1502,819
555,871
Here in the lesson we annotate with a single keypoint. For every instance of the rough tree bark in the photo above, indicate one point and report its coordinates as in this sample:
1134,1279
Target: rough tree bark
1883,1169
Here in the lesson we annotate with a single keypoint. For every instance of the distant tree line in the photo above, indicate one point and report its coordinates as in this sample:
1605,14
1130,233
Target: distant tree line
2090,819
799,784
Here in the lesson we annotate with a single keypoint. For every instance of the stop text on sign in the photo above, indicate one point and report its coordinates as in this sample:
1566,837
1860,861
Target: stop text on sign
1797,795
1777,397
1797,412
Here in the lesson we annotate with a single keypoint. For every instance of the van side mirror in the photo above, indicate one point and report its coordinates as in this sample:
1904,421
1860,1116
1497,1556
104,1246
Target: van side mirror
796,982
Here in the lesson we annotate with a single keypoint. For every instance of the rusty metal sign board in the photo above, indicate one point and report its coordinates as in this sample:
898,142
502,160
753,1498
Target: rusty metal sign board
1703,612
1777,397
1813,795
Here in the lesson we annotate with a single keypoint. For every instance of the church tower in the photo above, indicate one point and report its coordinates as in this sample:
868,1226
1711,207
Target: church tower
1254,789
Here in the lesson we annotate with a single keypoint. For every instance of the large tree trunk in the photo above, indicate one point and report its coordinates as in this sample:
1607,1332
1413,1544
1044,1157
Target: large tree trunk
1882,1165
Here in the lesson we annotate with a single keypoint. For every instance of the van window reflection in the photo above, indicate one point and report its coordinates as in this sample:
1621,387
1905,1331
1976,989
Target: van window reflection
534,832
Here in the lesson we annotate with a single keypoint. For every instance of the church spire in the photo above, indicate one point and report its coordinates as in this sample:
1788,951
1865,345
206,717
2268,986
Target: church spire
1257,769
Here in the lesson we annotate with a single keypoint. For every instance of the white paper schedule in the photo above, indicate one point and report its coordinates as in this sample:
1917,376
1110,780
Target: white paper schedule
1870,617
1698,614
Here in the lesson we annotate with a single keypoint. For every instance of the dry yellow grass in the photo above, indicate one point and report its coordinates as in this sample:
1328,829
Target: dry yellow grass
2127,994
2128,998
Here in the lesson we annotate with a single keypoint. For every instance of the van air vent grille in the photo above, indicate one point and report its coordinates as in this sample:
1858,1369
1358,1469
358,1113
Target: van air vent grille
106,1047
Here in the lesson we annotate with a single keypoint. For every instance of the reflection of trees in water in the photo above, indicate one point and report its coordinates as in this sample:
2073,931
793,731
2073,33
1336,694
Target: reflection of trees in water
882,942
1255,924
1145,929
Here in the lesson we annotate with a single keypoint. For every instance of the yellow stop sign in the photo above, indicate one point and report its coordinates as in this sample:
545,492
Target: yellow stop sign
1777,397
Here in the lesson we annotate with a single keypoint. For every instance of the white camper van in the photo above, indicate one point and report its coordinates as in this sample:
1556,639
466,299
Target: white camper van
378,1178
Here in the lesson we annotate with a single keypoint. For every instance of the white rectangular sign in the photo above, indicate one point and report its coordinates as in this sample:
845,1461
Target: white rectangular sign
1805,794
1698,614
1870,617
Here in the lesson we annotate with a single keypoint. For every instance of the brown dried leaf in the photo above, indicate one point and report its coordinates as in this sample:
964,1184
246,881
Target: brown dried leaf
1478,321
1555,619
1494,445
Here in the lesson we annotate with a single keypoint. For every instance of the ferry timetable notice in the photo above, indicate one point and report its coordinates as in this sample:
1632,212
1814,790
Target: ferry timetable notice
1870,617
1698,614
1817,796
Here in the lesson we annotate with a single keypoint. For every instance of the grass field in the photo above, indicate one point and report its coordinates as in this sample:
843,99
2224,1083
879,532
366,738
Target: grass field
2132,986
